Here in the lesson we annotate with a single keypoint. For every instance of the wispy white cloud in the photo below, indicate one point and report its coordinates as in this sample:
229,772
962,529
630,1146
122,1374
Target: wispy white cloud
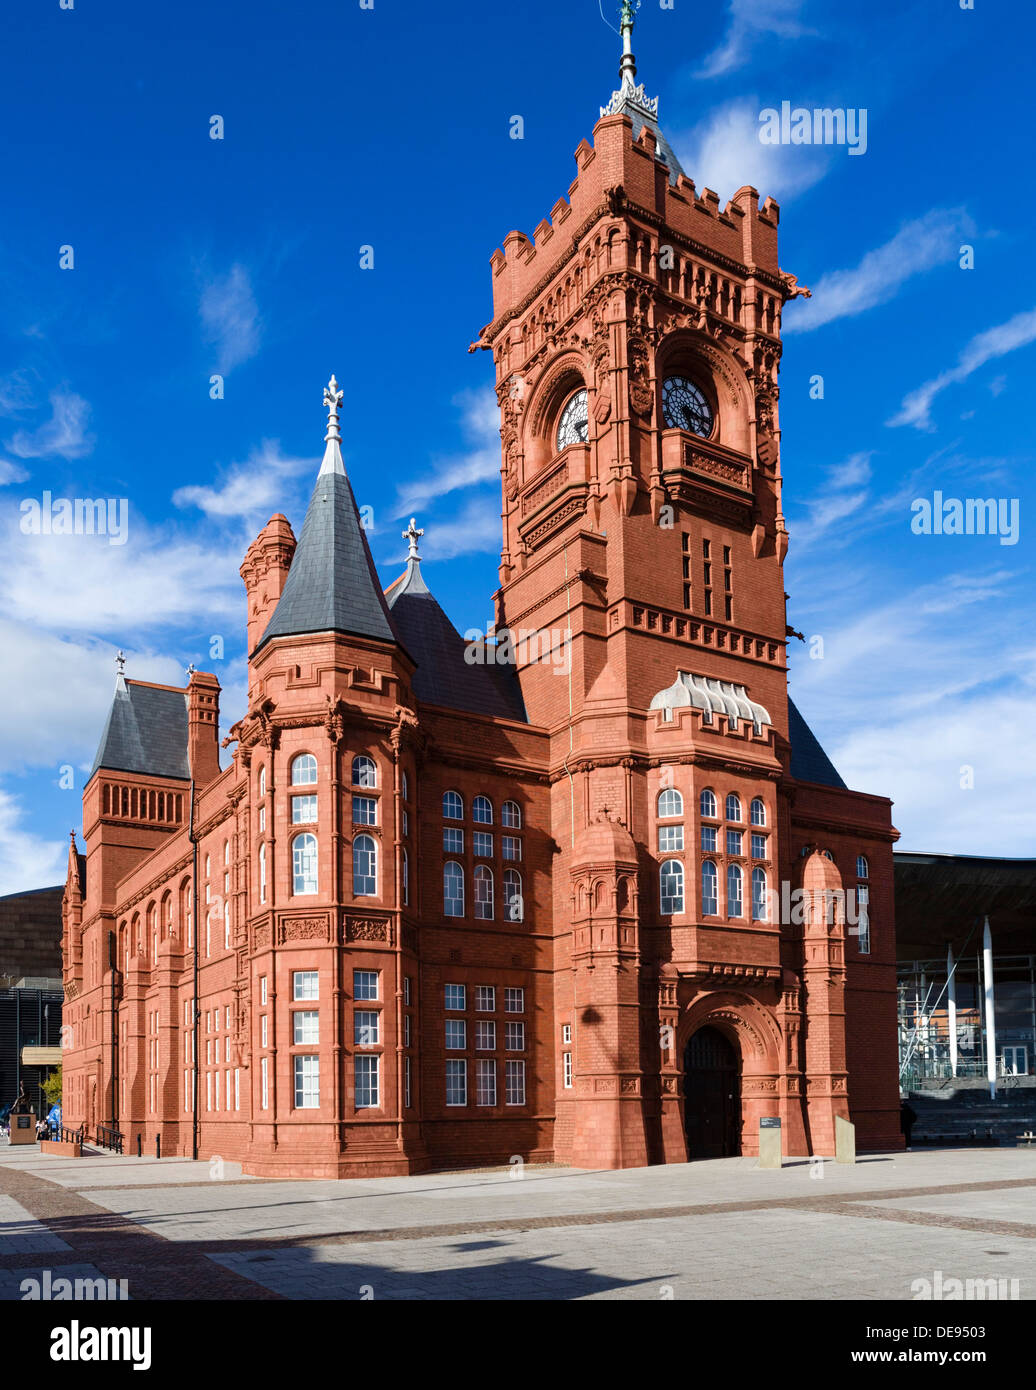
230,318
914,690
249,489
751,22
27,861
994,343
480,426
475,529
918,246
83,584
724,152
11,472
17,391
842,494
65,434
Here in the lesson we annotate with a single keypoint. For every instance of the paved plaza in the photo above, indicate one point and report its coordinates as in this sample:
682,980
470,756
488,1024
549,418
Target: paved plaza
719,1229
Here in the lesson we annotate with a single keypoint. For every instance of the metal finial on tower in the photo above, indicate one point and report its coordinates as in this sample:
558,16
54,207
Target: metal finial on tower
628,66
190,672
120,662
413,535
333,400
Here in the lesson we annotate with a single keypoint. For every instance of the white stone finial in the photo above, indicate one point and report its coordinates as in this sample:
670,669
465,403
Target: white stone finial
413,535
333,400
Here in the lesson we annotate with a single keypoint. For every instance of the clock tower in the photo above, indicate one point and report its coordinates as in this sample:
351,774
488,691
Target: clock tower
636,338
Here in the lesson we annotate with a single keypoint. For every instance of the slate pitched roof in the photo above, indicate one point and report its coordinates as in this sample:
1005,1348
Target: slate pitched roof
146,731
443,677
332,585
809,762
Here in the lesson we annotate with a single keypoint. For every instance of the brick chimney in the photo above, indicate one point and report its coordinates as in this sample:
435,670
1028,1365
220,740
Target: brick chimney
264,570
203,726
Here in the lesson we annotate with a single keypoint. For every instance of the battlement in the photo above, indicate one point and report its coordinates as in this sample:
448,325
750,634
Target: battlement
618,175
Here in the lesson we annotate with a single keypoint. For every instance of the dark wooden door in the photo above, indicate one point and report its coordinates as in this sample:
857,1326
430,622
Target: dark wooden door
712,1096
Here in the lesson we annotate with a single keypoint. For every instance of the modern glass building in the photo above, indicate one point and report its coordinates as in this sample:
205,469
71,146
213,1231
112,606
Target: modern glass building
946,962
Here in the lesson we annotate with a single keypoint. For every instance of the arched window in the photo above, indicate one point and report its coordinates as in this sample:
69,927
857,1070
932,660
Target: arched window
226,851
735,878
670,880
452,806
303,770
758,895
365,867
707,804
670,803
709,889
262,781
758,811
863,869
482,810
733,807
153,928
167,914
262,873
405,788
574,424
304,864
514,906
453,889
365,772
406,879
484,892
511,815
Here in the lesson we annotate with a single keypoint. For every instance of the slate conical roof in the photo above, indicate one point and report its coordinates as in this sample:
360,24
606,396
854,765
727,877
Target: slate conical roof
443,676
332,585
809,762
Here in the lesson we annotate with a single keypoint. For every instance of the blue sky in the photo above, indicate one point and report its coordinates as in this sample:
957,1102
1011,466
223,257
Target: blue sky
390,127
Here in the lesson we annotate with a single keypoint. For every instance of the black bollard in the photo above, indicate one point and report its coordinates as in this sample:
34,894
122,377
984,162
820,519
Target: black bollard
139,1149
158,1146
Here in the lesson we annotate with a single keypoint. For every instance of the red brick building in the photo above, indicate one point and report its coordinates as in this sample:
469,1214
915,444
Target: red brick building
586,893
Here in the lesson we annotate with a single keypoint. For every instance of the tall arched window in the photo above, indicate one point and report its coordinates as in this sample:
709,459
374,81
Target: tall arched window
482,810
167,915
670,878
709,889
735,878
452,806
758,811
484,892
733,807
707,802
153,930
511,815
304,864
262,873
365,772
670,803
758,895
453,889
365,867
514,906
406,879
303,770
262,781
862,867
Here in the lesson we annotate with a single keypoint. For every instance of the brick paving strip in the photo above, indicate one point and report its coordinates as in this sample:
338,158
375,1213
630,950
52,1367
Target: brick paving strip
155,1268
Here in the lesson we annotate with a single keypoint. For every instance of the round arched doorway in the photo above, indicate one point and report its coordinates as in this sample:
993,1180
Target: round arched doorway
712,1096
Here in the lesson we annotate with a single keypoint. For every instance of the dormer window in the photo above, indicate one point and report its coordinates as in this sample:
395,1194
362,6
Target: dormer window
574,425
685,407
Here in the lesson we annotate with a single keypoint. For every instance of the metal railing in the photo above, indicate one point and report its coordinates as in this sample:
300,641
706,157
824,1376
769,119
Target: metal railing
72,1136
109,1138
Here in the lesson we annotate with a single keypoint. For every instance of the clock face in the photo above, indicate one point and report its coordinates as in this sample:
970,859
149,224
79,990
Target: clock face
574,425
684,406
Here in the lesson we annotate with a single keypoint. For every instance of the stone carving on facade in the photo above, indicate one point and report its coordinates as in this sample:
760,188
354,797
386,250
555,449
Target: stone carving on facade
303,929
366,929
641,393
